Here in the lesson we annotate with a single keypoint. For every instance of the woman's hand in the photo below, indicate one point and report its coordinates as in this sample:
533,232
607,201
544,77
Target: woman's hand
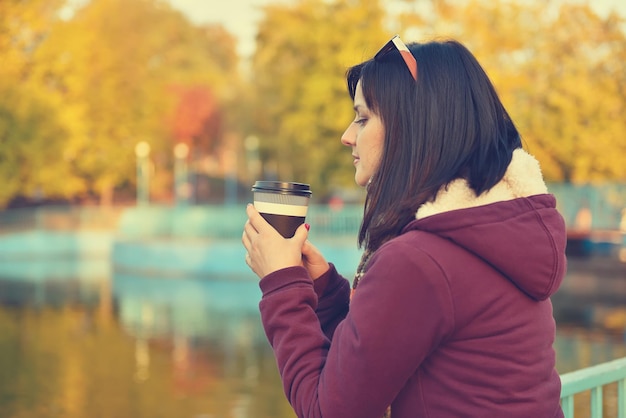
313,260
267,250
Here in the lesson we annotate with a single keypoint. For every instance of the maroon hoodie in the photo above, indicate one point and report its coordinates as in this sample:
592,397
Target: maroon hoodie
451,319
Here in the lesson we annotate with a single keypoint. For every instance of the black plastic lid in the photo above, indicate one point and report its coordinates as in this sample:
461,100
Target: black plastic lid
282,187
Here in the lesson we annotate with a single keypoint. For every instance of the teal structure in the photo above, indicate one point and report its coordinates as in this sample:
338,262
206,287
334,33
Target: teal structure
594,379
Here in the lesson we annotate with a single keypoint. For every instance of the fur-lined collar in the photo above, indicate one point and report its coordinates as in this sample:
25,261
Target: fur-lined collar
523,178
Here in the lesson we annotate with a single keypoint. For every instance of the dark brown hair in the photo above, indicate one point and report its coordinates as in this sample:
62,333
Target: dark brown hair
449,124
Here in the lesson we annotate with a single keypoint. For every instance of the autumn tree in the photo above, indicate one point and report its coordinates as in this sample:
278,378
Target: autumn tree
91,87
196,120
559,71
573,105
118,60
76,95
302,104
32,123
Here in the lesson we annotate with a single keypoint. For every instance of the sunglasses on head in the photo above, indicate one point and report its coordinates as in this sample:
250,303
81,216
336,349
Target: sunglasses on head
396,44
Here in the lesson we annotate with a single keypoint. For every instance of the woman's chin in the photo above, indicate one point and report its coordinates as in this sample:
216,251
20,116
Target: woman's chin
360,180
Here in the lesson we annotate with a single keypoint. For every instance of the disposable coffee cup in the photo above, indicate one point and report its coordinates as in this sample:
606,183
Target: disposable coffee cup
282,204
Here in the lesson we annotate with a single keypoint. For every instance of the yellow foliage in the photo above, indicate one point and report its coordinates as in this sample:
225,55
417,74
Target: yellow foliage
558,69
303,105
103,79
77,95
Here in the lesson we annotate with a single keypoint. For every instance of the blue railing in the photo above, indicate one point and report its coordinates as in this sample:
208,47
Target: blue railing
593,379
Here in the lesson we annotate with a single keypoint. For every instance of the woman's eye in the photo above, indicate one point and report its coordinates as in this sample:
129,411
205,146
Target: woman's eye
361,121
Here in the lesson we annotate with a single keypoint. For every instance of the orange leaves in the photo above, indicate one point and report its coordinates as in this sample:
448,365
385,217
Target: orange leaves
196,119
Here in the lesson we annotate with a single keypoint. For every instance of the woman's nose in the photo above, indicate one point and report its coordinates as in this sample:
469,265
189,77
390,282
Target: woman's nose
349,136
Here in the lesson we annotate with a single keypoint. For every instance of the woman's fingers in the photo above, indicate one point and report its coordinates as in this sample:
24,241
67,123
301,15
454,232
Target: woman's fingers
314,261
245,240
256,220
249,232
266,249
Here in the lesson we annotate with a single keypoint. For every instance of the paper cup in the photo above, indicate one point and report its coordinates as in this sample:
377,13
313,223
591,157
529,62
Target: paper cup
283,204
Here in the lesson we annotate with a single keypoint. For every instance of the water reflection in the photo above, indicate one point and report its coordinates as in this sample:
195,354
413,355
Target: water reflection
212,331
133,346
121,345
163,307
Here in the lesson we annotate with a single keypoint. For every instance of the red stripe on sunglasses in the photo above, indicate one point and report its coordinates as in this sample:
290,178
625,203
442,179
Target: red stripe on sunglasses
396,43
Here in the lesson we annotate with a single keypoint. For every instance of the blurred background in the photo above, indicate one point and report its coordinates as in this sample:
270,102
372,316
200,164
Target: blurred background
131,132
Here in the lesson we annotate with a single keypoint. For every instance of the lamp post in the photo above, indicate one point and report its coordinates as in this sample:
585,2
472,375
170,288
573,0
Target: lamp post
142,151
181,179
230,178
251,144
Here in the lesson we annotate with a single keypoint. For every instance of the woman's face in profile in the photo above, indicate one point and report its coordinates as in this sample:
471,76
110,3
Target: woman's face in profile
365,135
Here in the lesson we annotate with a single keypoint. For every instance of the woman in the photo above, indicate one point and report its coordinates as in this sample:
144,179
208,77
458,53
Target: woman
450,314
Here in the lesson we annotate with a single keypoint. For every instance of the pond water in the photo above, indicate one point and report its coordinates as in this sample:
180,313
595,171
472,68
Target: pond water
77,340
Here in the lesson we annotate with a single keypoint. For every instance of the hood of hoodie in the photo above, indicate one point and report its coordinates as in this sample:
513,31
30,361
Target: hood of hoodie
514,226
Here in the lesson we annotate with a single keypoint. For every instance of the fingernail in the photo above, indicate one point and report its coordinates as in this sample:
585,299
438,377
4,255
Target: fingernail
307,226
